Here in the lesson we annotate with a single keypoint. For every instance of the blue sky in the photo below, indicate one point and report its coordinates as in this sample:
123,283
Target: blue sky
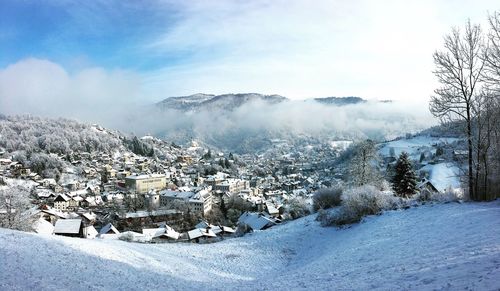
156,49
108,34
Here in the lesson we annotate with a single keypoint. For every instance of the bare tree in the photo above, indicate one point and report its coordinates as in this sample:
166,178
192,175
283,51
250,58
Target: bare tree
492,68
488,124
459,69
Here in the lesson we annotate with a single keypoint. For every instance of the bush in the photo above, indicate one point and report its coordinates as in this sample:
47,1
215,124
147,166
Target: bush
127,236
449,195
358,203
298,207
327,198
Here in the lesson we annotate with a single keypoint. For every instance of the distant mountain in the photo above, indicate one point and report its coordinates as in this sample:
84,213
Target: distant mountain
340,101
248,122
208,101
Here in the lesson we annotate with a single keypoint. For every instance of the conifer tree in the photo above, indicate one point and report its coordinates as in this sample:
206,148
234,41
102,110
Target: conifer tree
405,180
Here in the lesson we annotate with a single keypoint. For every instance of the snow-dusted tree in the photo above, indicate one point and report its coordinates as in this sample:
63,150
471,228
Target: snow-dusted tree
459,70
14,202
362,165
405,180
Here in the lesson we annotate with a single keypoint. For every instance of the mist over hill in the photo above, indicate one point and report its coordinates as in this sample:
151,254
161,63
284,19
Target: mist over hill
248,122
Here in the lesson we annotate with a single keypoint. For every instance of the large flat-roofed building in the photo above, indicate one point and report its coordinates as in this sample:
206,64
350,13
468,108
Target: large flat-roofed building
142,184
232,186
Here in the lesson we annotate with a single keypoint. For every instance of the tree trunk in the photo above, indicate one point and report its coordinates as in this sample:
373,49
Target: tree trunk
469,156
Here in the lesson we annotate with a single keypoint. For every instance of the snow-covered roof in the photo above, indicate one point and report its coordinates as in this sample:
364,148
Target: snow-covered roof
109,228
43,226
89,216
161,212
200,232
62,197
166,231
68,226
255,221
228,229
90,232
271,209
141,177
177,194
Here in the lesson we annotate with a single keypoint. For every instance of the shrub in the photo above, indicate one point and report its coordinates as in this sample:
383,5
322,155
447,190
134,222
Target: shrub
327,198
449,195
298,207
357,203
127,236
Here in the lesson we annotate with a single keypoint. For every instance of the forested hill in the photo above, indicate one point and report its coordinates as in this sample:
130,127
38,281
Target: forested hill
58,136
40,143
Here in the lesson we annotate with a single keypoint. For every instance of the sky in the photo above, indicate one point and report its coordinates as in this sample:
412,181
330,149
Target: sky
138,52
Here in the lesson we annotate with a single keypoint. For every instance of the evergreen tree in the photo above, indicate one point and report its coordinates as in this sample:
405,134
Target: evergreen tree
405,179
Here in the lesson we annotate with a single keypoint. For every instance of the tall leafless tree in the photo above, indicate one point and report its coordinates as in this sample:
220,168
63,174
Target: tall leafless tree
491,120
459,69
492,68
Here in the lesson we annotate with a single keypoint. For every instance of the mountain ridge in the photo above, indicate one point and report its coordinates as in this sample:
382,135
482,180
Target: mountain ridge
231,101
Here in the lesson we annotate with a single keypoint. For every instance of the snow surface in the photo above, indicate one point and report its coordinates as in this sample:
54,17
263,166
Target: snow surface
448,246
412,145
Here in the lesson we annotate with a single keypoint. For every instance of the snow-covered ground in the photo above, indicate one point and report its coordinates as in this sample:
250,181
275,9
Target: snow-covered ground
449,246
412,145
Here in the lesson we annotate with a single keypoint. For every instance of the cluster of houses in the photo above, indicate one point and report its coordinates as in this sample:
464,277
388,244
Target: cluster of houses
136,193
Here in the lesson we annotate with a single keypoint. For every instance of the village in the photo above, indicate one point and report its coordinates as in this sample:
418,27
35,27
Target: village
182,194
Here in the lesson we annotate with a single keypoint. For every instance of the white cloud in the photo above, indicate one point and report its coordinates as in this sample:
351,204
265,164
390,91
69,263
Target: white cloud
42,87
300,49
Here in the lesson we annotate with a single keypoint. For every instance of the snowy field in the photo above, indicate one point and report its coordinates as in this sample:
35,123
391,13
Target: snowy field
412,145
449,246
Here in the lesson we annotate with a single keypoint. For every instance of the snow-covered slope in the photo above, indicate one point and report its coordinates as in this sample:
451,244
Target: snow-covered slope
414,145
451,246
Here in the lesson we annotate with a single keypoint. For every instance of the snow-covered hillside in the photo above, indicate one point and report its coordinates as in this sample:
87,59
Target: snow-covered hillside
450,246
414,146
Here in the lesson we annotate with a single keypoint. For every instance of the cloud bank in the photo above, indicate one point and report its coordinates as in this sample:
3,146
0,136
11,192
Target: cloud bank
113,99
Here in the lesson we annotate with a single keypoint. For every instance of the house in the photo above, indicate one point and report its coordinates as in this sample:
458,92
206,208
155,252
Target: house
52,215
198,234
427,185
256,221
74,202
272,210
161,233
89,218
69,227
108,231
90,232
42,226
62,202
